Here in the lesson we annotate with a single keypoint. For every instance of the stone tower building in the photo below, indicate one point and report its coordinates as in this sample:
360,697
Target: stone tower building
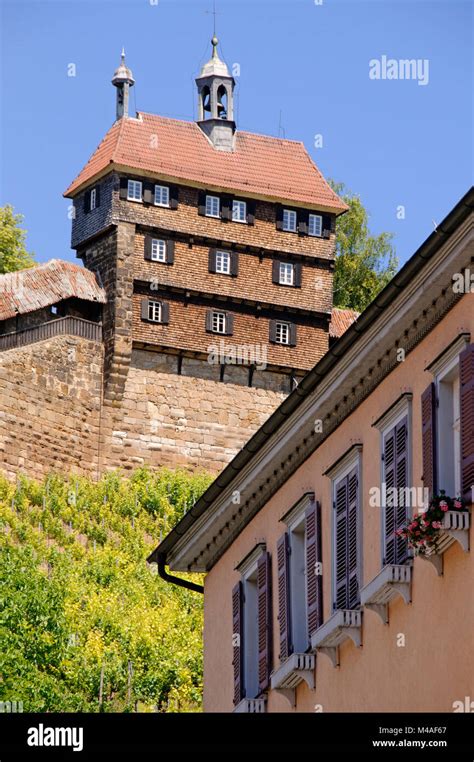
215,250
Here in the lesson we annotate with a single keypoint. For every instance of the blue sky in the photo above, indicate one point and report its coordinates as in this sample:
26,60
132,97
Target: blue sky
396,143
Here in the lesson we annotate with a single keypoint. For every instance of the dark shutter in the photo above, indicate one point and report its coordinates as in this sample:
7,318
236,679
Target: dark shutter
148,240
428,430
297,270
123,188
212,260
353,509
279,217
165,313
229,324
87,202
326,225
148,193
283,551
144,309
272,334
209,320
251,212
169,252
174,196
293,334
202,203
264,621
303,221
226,208
97,196
314,578
275,271
396,478
237,641
234,263
466,376
347,581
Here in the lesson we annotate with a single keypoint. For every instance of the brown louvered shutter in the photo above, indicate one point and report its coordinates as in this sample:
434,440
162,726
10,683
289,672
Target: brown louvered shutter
123,188
148,240
272,331
396,477
144,309
352,538
264,620
389,513
226,208
174,196
234,263
428,434
169,252
165,313
279,217
87,202
341,561
237,641
251,212
209,320
314,577
303,221
326,225
293,334
202,203
229,324
283,551
297,271
466,377
276,271
212,260
148,192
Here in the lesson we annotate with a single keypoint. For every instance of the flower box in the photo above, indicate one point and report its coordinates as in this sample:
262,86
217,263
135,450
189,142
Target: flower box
342,625
455,527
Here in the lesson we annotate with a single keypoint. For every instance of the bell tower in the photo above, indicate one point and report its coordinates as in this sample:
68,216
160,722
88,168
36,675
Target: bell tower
123,81
216,101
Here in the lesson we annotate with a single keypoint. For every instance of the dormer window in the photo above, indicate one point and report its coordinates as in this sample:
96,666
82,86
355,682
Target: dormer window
213,206
289,220
239,211
134,190
315,225
162,195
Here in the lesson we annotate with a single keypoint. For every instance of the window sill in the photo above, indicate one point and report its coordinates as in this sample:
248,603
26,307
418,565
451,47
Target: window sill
294,670
342,625
455,528
251,706
241,222
393,580
162,206
135,200
213,216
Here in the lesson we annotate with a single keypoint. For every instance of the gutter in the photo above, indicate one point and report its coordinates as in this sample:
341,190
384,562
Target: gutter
160,559
424,253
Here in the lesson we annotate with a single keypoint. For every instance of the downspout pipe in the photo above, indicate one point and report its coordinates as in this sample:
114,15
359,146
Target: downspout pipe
160,559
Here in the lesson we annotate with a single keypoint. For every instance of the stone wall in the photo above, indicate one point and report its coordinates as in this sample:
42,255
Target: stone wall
50,399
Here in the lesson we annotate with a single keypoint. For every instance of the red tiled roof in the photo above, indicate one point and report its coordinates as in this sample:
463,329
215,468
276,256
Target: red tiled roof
36,287
340,321
260,165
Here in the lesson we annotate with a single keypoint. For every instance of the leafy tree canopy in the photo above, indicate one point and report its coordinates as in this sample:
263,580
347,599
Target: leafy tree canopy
13,253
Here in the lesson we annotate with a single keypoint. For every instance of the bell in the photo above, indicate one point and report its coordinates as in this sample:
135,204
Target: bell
221,110
207,103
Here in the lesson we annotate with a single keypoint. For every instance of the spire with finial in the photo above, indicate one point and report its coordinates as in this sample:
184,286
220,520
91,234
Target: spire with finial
216,100
123,81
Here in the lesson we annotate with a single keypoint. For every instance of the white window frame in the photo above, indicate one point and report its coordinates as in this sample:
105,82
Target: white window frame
248,569
134,191
353,459
155,309
313,218
282,323
93,200
241,208
162,190
286,274
158,250
223,262
400,410
211,202
216,319
288,215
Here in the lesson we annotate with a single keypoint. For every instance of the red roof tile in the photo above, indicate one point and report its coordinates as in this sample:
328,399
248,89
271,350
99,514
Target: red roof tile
259,165
340,321
29,290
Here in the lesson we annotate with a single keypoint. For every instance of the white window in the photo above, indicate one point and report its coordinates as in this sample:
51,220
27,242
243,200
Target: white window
239,211
248,569
93,198
162,195
158,250
223,262
315,224
213,206
218,322
154,311
134,190
448,430
282,333
286,274
289,220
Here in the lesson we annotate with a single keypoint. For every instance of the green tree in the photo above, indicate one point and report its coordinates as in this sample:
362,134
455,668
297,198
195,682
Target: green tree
365,263
13,252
